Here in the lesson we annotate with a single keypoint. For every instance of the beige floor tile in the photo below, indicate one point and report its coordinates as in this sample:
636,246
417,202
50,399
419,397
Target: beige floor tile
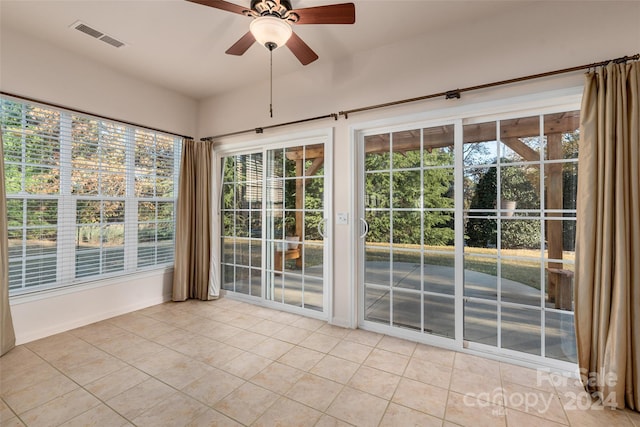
285,318
334,331
160,361
277,377
422,397
473,413
485,388
176,411
336,369
140,398
58,346
12,422
99,416
261,312
213,386
14,381
522,419
183,373
117,382
141,325
246,403
309,323
534,401
85,373
130,347
246,365
96,333
374,381
352,351
271,348
361,336
177,338
301,358
291,334
245,321
314,391
634,417
217,331
18,361
429,373
358,408
80,356
477,365
567,384
218,313
397,415
535,378
195,346
329,421
40,393
213,418
5,412
320,342
397,345
437,355
286,412
267,327
387,361
61,409
245,340
220,354
280,369
582,411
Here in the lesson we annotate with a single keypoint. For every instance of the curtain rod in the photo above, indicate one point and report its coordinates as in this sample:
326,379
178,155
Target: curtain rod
261,129
448,95
73,110
456,92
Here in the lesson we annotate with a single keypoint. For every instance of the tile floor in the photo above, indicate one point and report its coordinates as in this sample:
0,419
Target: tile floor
228,363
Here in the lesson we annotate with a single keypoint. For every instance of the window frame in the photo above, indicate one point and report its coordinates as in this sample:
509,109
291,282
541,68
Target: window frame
65,268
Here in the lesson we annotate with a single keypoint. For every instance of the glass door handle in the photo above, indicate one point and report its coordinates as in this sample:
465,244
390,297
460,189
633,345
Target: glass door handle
322,227
366,228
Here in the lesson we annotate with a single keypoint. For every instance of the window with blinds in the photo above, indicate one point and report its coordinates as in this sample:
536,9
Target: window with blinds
87,198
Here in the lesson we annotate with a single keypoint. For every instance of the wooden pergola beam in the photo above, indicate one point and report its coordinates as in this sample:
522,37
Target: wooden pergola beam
510,130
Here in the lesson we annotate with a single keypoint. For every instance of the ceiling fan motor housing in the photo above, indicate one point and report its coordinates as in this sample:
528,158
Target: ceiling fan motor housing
280,9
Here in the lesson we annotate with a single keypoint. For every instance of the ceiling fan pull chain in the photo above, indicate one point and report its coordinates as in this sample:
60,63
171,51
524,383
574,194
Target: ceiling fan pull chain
271,82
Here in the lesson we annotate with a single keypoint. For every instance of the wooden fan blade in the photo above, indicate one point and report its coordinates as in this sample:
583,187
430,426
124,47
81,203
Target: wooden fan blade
301,50
344,13
241,46
222,5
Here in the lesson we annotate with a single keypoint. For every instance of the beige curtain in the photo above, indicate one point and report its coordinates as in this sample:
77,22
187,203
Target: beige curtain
7,335
193,223
607,291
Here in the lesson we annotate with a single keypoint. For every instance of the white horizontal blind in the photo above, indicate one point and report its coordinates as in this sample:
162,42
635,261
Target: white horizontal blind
87,198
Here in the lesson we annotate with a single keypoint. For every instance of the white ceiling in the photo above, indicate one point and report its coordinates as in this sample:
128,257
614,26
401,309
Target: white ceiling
180,45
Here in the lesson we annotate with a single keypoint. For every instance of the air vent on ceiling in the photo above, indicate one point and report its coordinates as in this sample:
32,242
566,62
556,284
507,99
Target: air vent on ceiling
96,34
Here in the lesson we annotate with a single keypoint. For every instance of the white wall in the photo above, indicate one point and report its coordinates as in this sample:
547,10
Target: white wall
33,68
539,37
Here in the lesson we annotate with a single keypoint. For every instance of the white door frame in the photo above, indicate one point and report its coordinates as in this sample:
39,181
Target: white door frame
324,136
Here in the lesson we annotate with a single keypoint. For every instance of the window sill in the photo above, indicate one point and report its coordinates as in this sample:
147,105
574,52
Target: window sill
80,287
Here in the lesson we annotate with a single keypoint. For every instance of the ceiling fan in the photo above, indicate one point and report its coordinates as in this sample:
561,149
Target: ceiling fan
272,21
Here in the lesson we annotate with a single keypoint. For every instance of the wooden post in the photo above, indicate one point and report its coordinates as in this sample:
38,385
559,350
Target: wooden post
554,193
299,203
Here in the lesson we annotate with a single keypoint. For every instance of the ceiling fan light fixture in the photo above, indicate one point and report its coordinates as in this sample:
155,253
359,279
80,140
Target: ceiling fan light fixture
270,31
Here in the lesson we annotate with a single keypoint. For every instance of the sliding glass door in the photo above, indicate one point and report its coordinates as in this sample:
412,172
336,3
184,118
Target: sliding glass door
408,204
274,226
519,208
468,233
